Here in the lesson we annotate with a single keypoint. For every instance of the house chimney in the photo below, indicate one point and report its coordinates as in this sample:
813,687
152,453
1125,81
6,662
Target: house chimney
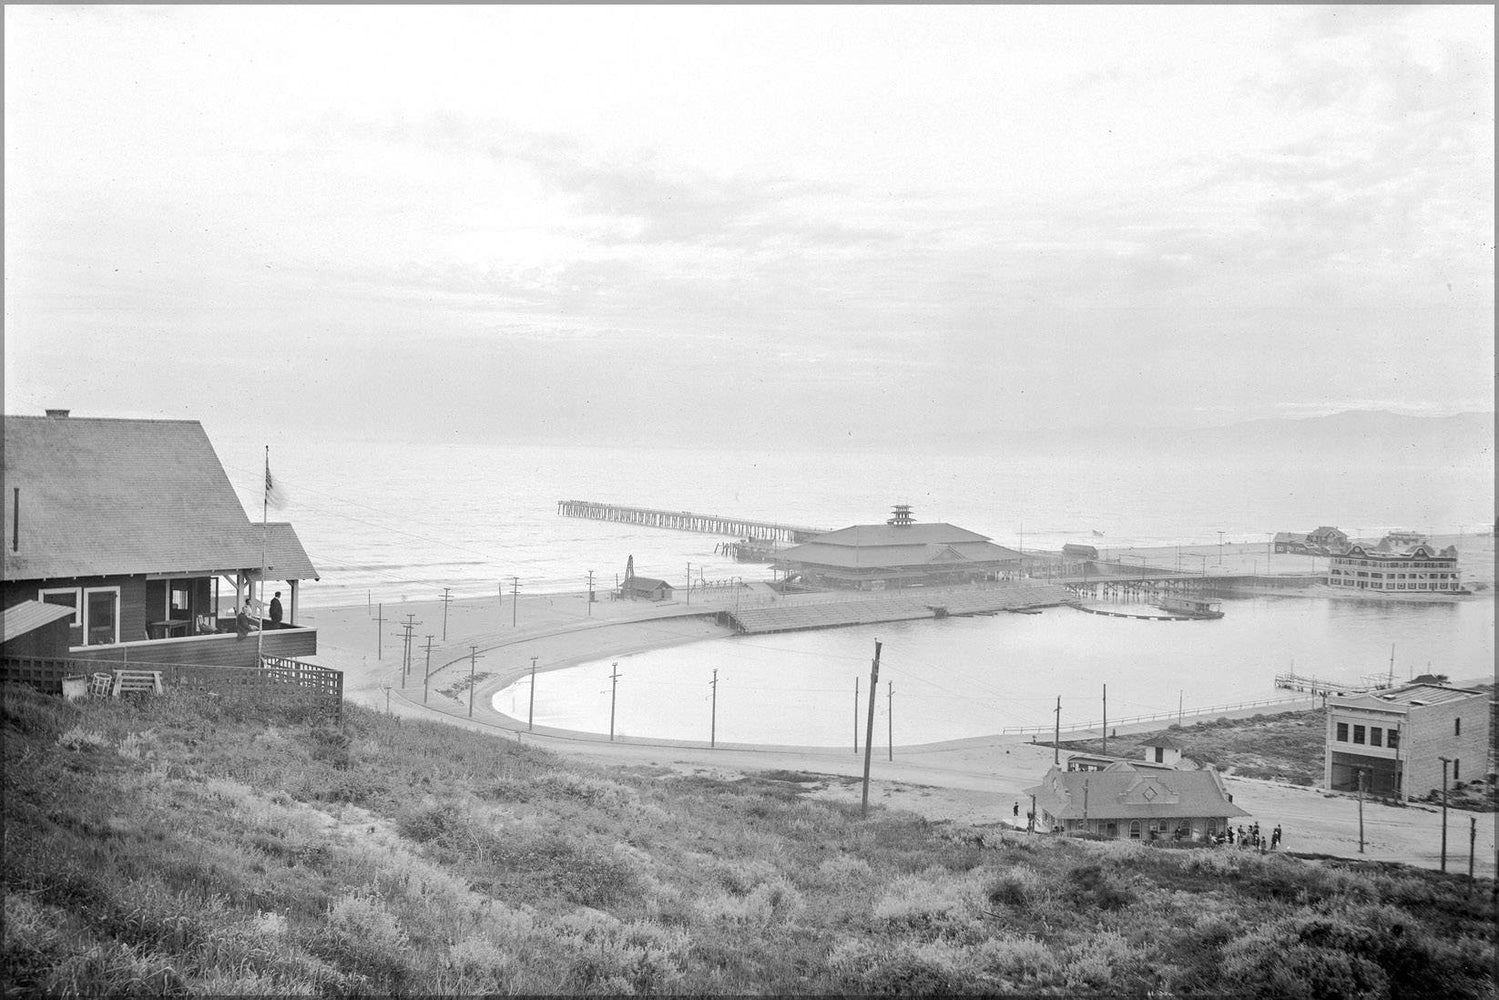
57,414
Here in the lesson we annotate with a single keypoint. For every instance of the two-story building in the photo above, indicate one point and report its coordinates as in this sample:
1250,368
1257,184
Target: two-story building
1396,739
1387,569
135,529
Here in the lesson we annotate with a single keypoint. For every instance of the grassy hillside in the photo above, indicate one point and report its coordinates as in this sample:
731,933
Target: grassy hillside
186,845
1286,746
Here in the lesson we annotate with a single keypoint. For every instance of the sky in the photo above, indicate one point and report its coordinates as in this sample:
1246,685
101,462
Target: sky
800,226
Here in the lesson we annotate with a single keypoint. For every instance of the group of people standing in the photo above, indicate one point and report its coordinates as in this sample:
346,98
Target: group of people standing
1251,837
244,618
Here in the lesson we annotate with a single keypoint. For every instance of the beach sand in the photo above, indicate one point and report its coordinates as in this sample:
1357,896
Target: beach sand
975,781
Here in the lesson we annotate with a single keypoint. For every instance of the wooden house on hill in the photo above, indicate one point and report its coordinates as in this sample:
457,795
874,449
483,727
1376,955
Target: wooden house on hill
134,530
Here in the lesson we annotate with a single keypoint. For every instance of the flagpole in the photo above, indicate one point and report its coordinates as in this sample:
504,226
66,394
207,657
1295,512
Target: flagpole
265,501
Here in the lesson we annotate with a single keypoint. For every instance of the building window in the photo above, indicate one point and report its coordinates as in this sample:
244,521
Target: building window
1455,763
67,597
1342,732
1457,727
1358,734
1134,829
1375,736
1392,739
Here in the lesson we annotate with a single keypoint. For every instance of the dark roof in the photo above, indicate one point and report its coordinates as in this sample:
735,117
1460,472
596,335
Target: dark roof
28,616
1125,792
644,583
1162,740
102,497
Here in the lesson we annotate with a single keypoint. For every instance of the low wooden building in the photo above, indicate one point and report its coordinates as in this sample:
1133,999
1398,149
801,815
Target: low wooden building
898,553
1126,801
644,588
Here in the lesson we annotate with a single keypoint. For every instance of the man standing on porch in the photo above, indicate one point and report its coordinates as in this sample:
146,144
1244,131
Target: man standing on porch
276,609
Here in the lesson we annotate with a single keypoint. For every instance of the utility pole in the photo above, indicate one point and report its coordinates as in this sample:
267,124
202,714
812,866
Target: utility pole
1472,841
713,725
590,593
1105,720
1445,761
379,632
689,583
531,709
613,694
1056,741
856,716
1361,774
1220,548
447,599
428,674
890,717
874,679
514,598
1180,697
473,654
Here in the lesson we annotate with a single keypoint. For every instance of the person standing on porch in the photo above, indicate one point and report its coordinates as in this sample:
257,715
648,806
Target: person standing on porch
276,609
242,621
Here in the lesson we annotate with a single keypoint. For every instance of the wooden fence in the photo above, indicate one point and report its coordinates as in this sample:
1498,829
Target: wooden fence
278,678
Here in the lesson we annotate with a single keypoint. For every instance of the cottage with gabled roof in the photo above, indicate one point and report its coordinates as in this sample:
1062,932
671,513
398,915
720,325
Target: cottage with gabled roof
133,525
1128,802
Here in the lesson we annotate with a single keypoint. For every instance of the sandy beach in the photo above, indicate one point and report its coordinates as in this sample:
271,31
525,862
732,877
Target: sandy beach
977,781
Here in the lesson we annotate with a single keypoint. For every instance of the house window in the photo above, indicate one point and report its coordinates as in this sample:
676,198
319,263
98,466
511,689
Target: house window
1392,739
1342,732
1457,727
1358,734
101,616
1375,736
1134,829
67,597
1455,763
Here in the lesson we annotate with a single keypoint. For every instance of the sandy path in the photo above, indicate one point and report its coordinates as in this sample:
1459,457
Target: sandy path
973,781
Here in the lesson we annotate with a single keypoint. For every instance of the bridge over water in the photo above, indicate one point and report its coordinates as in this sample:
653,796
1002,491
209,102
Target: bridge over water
682,520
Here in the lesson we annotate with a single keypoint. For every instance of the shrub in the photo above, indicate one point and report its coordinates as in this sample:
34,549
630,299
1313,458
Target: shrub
83,740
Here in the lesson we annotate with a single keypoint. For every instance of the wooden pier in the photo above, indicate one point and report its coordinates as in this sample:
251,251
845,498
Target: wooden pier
682,520
1316,685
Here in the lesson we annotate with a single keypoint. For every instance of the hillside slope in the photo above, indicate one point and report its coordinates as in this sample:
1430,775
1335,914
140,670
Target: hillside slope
187,845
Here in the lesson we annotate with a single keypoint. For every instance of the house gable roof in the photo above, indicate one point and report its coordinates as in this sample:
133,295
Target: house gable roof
1125,792
106,497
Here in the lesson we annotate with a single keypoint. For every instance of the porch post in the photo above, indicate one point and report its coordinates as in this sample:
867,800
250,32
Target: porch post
293,619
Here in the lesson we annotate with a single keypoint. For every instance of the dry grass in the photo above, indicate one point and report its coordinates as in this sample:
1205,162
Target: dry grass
188,846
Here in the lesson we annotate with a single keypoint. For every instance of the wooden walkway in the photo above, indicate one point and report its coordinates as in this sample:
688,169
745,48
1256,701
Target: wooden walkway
683,520
870,609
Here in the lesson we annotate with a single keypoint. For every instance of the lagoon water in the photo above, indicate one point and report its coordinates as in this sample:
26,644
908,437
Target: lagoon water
961,677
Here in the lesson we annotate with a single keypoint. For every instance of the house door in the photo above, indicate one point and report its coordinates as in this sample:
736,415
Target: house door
102,615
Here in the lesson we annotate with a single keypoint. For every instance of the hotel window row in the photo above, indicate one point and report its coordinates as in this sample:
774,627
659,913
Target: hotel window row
1368,735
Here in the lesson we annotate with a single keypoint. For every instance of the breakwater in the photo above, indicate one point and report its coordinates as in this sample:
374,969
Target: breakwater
869,609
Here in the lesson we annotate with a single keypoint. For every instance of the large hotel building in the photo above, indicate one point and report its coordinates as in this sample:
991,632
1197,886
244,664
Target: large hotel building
1382,568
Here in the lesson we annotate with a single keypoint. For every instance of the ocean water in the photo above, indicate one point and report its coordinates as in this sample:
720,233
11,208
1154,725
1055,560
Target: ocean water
393,521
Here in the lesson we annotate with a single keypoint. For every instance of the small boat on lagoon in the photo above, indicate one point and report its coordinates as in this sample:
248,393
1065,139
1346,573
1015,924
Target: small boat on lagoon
1188,606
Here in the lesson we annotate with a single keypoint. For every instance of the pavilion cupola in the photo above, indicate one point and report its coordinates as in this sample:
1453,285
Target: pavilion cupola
902,516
